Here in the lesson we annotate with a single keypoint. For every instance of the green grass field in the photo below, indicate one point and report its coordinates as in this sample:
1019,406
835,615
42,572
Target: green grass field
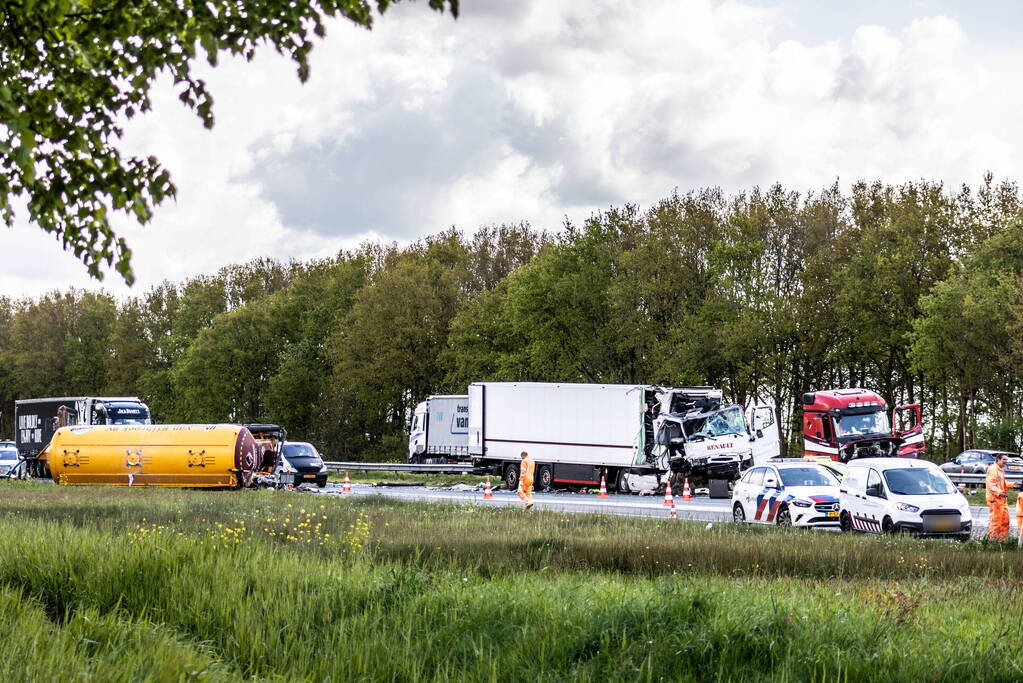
136,584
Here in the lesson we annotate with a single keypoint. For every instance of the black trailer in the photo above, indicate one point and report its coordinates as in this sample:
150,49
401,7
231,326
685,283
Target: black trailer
36,420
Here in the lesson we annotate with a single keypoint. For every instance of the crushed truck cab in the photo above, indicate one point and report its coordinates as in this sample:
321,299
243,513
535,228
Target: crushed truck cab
701,436
845,424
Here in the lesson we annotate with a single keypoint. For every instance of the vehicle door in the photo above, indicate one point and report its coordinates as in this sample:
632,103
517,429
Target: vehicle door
907,424
851,492
873,504
764,432
773,497
752,488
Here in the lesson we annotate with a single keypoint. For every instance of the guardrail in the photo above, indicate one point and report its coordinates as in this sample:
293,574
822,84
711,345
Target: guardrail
414,468
968,479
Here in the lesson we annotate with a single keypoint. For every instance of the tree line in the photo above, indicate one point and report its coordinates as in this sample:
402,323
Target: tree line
915,291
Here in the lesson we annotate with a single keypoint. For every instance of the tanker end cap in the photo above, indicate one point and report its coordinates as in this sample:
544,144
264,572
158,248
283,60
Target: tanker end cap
809,399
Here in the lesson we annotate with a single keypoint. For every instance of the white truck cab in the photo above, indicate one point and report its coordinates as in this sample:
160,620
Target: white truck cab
698,434
439,429
887,495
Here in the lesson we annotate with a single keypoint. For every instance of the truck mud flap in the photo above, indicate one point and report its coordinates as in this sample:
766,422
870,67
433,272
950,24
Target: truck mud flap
719,488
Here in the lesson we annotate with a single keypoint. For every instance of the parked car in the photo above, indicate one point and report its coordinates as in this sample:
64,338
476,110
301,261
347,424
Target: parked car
788,493
886,495
8,457
976,461
303,461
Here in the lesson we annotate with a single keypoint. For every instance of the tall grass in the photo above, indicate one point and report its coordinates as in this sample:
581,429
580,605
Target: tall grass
171,585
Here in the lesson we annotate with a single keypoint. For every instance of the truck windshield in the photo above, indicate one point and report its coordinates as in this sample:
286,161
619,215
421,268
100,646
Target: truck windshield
719,423
918,481
865,423
127,415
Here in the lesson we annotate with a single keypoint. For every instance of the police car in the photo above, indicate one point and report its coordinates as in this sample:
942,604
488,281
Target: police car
885,495
787,493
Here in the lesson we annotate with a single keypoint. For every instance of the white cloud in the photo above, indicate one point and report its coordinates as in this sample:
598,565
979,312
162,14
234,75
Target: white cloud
538,110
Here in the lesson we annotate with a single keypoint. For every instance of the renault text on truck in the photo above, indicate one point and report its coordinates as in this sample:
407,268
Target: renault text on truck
36,420
845,424
439,429
636,436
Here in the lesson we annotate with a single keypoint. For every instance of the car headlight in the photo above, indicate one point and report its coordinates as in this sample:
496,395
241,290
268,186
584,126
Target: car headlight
906,507
802,503
323,467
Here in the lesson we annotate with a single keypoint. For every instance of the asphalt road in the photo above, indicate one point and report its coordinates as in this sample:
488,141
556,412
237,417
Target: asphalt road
700,509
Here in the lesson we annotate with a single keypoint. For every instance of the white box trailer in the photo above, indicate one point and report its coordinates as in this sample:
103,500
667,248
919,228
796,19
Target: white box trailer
440,429
574,432
637,436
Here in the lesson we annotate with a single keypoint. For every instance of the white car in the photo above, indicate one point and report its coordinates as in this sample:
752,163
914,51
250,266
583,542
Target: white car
787,494
885,495
8,457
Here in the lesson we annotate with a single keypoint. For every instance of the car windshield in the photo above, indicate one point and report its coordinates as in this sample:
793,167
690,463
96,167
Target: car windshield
864,423
719,423
806,476
8,454
918,481
299,450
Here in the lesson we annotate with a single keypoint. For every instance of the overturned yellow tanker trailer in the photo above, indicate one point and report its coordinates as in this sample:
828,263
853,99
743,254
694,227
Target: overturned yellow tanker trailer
215,456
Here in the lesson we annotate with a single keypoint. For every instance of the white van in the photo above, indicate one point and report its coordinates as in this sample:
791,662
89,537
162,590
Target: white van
886,495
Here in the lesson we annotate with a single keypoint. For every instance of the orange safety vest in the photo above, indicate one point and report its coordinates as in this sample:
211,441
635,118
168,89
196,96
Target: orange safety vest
995,483
526,468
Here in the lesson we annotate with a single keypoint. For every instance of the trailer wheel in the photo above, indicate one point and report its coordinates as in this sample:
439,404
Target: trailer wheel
511,476
545,478
623,483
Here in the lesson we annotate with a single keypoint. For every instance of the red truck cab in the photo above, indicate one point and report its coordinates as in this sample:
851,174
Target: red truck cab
844,424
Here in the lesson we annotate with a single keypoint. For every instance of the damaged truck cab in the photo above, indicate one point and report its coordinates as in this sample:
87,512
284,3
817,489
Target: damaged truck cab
845,424
701,437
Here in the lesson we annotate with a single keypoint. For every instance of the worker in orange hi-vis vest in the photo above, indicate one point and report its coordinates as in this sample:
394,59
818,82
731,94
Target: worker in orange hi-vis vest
1019,518
526,468
998,504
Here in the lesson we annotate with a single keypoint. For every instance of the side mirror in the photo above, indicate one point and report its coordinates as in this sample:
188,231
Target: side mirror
771,483
875,493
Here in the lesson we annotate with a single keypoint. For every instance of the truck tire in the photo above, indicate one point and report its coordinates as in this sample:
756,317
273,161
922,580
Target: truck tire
545,478
511,476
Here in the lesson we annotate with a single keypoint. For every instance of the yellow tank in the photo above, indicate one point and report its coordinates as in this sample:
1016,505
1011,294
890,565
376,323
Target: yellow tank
154,455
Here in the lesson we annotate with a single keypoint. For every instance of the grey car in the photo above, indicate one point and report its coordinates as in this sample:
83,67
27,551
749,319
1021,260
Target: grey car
977,460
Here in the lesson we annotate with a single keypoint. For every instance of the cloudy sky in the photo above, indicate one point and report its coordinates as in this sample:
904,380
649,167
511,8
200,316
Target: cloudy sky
537,110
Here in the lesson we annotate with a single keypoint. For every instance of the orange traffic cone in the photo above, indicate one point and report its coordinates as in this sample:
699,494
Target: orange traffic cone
603,488
686,495
487,493
672,512
669,501
347,488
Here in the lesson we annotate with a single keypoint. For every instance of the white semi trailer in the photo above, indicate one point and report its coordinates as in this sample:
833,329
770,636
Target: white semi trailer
440,429
636,436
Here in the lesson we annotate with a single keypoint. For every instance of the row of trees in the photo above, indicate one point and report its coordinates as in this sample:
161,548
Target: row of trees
912,290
